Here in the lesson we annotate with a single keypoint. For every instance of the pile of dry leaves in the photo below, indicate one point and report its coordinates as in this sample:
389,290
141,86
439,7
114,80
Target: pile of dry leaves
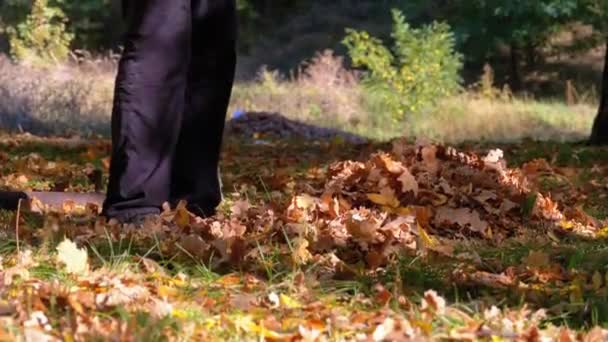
258,124
412,198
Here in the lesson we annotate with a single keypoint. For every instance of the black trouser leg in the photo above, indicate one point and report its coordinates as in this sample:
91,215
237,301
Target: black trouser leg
148,105
210,79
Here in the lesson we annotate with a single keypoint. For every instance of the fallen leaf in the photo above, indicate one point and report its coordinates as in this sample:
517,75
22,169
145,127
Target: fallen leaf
494,156
383,330
182,216
289,302
429,159
388,200
464,217
537,259
194,245
240,208
408,182
300,254
433,302
362,227
309,334
383,296
274,300
597,280
74,259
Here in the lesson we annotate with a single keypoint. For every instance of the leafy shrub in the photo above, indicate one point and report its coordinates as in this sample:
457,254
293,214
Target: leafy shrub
42,37
421,67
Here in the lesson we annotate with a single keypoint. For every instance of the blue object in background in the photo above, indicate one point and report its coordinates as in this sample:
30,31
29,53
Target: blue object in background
239,113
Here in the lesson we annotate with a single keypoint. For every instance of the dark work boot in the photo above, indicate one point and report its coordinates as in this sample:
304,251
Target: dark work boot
137,219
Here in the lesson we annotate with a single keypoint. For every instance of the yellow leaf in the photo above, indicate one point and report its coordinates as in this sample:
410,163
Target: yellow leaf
246,324
305,201
180,314
166,291
404,211
229,280
489,233
603,233
289,302
567,225
425,237
597,280
576,294
426,327
182,216
384,199
75,259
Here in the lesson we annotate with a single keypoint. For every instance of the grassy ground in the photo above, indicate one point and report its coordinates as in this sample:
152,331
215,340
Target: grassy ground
284,260
76,100
167,283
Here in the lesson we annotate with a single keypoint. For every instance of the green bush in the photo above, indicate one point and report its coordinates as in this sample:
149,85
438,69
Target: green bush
421,67
42,37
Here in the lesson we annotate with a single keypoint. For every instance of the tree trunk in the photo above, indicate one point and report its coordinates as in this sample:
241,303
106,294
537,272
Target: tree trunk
532,56
599,133
515,75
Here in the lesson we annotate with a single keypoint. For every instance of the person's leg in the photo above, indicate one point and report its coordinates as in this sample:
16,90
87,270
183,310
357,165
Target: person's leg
148,105
211,76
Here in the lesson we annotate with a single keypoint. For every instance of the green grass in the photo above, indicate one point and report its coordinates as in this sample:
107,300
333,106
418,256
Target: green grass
410,275
466,118
461,118
327,95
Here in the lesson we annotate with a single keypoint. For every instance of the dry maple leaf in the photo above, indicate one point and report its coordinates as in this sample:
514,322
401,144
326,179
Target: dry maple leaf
390,165
309,334
74,259
547,209
301,207
464,217
182,216
362,225
387,198
240,208
383,330
494,156
329,205
408,182
194,245
120,294
433,302
429,159
300,255
231,250
400,227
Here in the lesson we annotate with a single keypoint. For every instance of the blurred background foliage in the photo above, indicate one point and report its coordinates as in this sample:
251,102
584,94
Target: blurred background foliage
482,28
405,54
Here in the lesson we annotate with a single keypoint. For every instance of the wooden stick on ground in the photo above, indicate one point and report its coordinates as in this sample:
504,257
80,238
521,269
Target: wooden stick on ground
17,218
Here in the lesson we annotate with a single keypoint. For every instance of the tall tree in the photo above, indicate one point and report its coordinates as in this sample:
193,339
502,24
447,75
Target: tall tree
521,25
595,12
